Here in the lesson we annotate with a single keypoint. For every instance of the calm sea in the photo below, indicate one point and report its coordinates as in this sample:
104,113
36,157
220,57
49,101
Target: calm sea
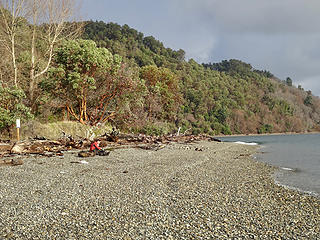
297,156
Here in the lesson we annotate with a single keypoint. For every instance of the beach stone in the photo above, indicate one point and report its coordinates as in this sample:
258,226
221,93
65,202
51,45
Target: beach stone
167,194
86,154
16,162
18,149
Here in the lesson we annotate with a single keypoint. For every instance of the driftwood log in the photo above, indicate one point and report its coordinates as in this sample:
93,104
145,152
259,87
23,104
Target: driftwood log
50,148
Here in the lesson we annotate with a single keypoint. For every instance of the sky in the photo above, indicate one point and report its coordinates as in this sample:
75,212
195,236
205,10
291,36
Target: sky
281,36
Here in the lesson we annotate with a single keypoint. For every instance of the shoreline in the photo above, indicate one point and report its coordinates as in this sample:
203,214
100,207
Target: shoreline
308,193
280,170
267,134
205,189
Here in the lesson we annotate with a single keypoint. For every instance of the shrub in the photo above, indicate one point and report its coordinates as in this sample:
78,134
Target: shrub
157,129
265,128
11,107
226,130
196,131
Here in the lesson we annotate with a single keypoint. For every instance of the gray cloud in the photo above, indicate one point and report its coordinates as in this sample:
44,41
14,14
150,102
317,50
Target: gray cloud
272,16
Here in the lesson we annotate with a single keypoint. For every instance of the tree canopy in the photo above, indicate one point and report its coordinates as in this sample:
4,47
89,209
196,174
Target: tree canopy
77,64
113,73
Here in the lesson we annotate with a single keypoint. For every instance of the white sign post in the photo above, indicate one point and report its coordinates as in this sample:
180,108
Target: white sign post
18,129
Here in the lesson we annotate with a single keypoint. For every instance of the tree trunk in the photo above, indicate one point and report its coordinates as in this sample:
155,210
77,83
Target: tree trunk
32,70
15,68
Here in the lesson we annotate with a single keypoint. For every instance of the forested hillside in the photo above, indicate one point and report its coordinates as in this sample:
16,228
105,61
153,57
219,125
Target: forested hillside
226,97
114,74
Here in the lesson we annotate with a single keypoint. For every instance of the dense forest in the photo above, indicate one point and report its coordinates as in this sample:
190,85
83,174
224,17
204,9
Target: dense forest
103,73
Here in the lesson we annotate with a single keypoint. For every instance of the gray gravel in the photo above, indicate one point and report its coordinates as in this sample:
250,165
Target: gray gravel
199,191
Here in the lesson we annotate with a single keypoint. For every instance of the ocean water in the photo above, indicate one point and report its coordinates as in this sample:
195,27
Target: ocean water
297,156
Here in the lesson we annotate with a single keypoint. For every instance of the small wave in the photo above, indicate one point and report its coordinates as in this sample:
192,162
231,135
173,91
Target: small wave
245,143
311,193
287,169
290,169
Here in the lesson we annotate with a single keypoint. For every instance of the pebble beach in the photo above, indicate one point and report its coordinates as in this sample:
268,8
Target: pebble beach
204,190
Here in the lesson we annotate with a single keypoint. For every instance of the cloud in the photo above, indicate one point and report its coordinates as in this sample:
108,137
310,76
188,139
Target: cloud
311,83
267,17
195,39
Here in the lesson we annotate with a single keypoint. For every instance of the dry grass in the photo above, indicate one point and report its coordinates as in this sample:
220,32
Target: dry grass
55,130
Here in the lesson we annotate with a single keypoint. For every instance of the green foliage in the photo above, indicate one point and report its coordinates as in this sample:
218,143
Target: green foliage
232,66
270,102
208,92
289,82
157,129
284,108
11,107
265,128
221,114
163,98
131,44
92,84
226,130
308,100
77,63
264,73
120,75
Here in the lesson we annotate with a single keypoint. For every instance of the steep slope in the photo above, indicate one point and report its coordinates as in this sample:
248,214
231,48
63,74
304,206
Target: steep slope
227,97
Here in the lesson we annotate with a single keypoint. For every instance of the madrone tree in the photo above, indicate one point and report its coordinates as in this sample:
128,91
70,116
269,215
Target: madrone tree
88,81
164,98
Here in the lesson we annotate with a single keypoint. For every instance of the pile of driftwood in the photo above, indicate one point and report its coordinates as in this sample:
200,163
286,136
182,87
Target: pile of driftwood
49,148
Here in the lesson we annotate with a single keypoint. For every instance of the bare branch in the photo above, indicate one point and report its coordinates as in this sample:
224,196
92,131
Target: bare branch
11,14
51,22
53,17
